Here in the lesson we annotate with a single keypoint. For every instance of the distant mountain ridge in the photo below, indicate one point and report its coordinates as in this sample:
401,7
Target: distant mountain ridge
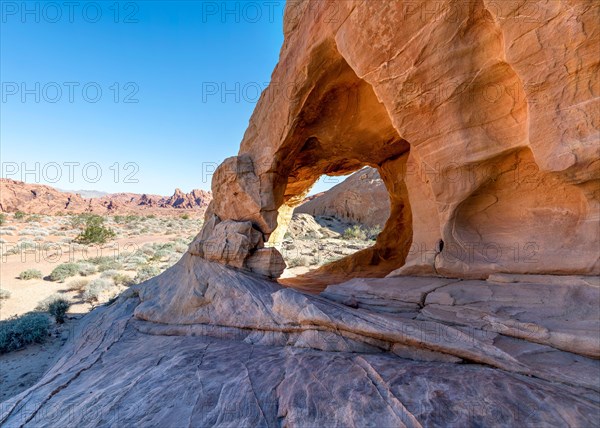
43,199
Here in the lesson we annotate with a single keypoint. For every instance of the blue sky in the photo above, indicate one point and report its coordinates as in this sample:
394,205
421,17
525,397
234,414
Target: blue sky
143,97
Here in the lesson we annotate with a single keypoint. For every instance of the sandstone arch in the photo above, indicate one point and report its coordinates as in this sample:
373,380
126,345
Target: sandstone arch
444,123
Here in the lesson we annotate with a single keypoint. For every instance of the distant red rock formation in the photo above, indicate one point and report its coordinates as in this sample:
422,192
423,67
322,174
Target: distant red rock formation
43,199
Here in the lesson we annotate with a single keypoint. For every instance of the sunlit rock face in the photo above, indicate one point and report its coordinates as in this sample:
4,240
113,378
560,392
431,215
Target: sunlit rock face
480,117
361,198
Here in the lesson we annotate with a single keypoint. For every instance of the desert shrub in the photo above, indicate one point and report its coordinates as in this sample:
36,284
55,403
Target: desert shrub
95,232
92,291
118,278
100,260
63,271
180,247
4,294
43,304
19,215
145,272
161,255
58,308
148,249
87,269
298,261
110,265
25,244
123,279
109,273
19,331
30,274
6,232
136,259
33,218
355,232
2,219
33,232
77,284
185,217
373,232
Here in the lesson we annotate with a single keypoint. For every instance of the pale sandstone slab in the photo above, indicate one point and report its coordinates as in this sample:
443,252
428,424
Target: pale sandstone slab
385,294
125,378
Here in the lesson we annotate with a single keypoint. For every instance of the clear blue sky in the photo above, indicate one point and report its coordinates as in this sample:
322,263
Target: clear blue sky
175,58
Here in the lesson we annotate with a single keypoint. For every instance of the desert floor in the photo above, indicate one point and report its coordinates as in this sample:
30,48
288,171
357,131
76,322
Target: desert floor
143,247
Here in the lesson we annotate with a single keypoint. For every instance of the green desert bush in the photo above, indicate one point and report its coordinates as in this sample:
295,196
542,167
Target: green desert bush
95,232
64,271
19,215
2,219
30,274
92,291
4,294
355,232
145,272
19,331
58,308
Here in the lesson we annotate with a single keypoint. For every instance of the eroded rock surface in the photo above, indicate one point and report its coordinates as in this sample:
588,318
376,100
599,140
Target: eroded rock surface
232,348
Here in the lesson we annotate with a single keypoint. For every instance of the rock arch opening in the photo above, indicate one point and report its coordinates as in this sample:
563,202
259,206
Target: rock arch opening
329,226
341,128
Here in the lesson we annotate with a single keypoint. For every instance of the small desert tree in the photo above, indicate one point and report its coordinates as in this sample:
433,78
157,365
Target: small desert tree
95,232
